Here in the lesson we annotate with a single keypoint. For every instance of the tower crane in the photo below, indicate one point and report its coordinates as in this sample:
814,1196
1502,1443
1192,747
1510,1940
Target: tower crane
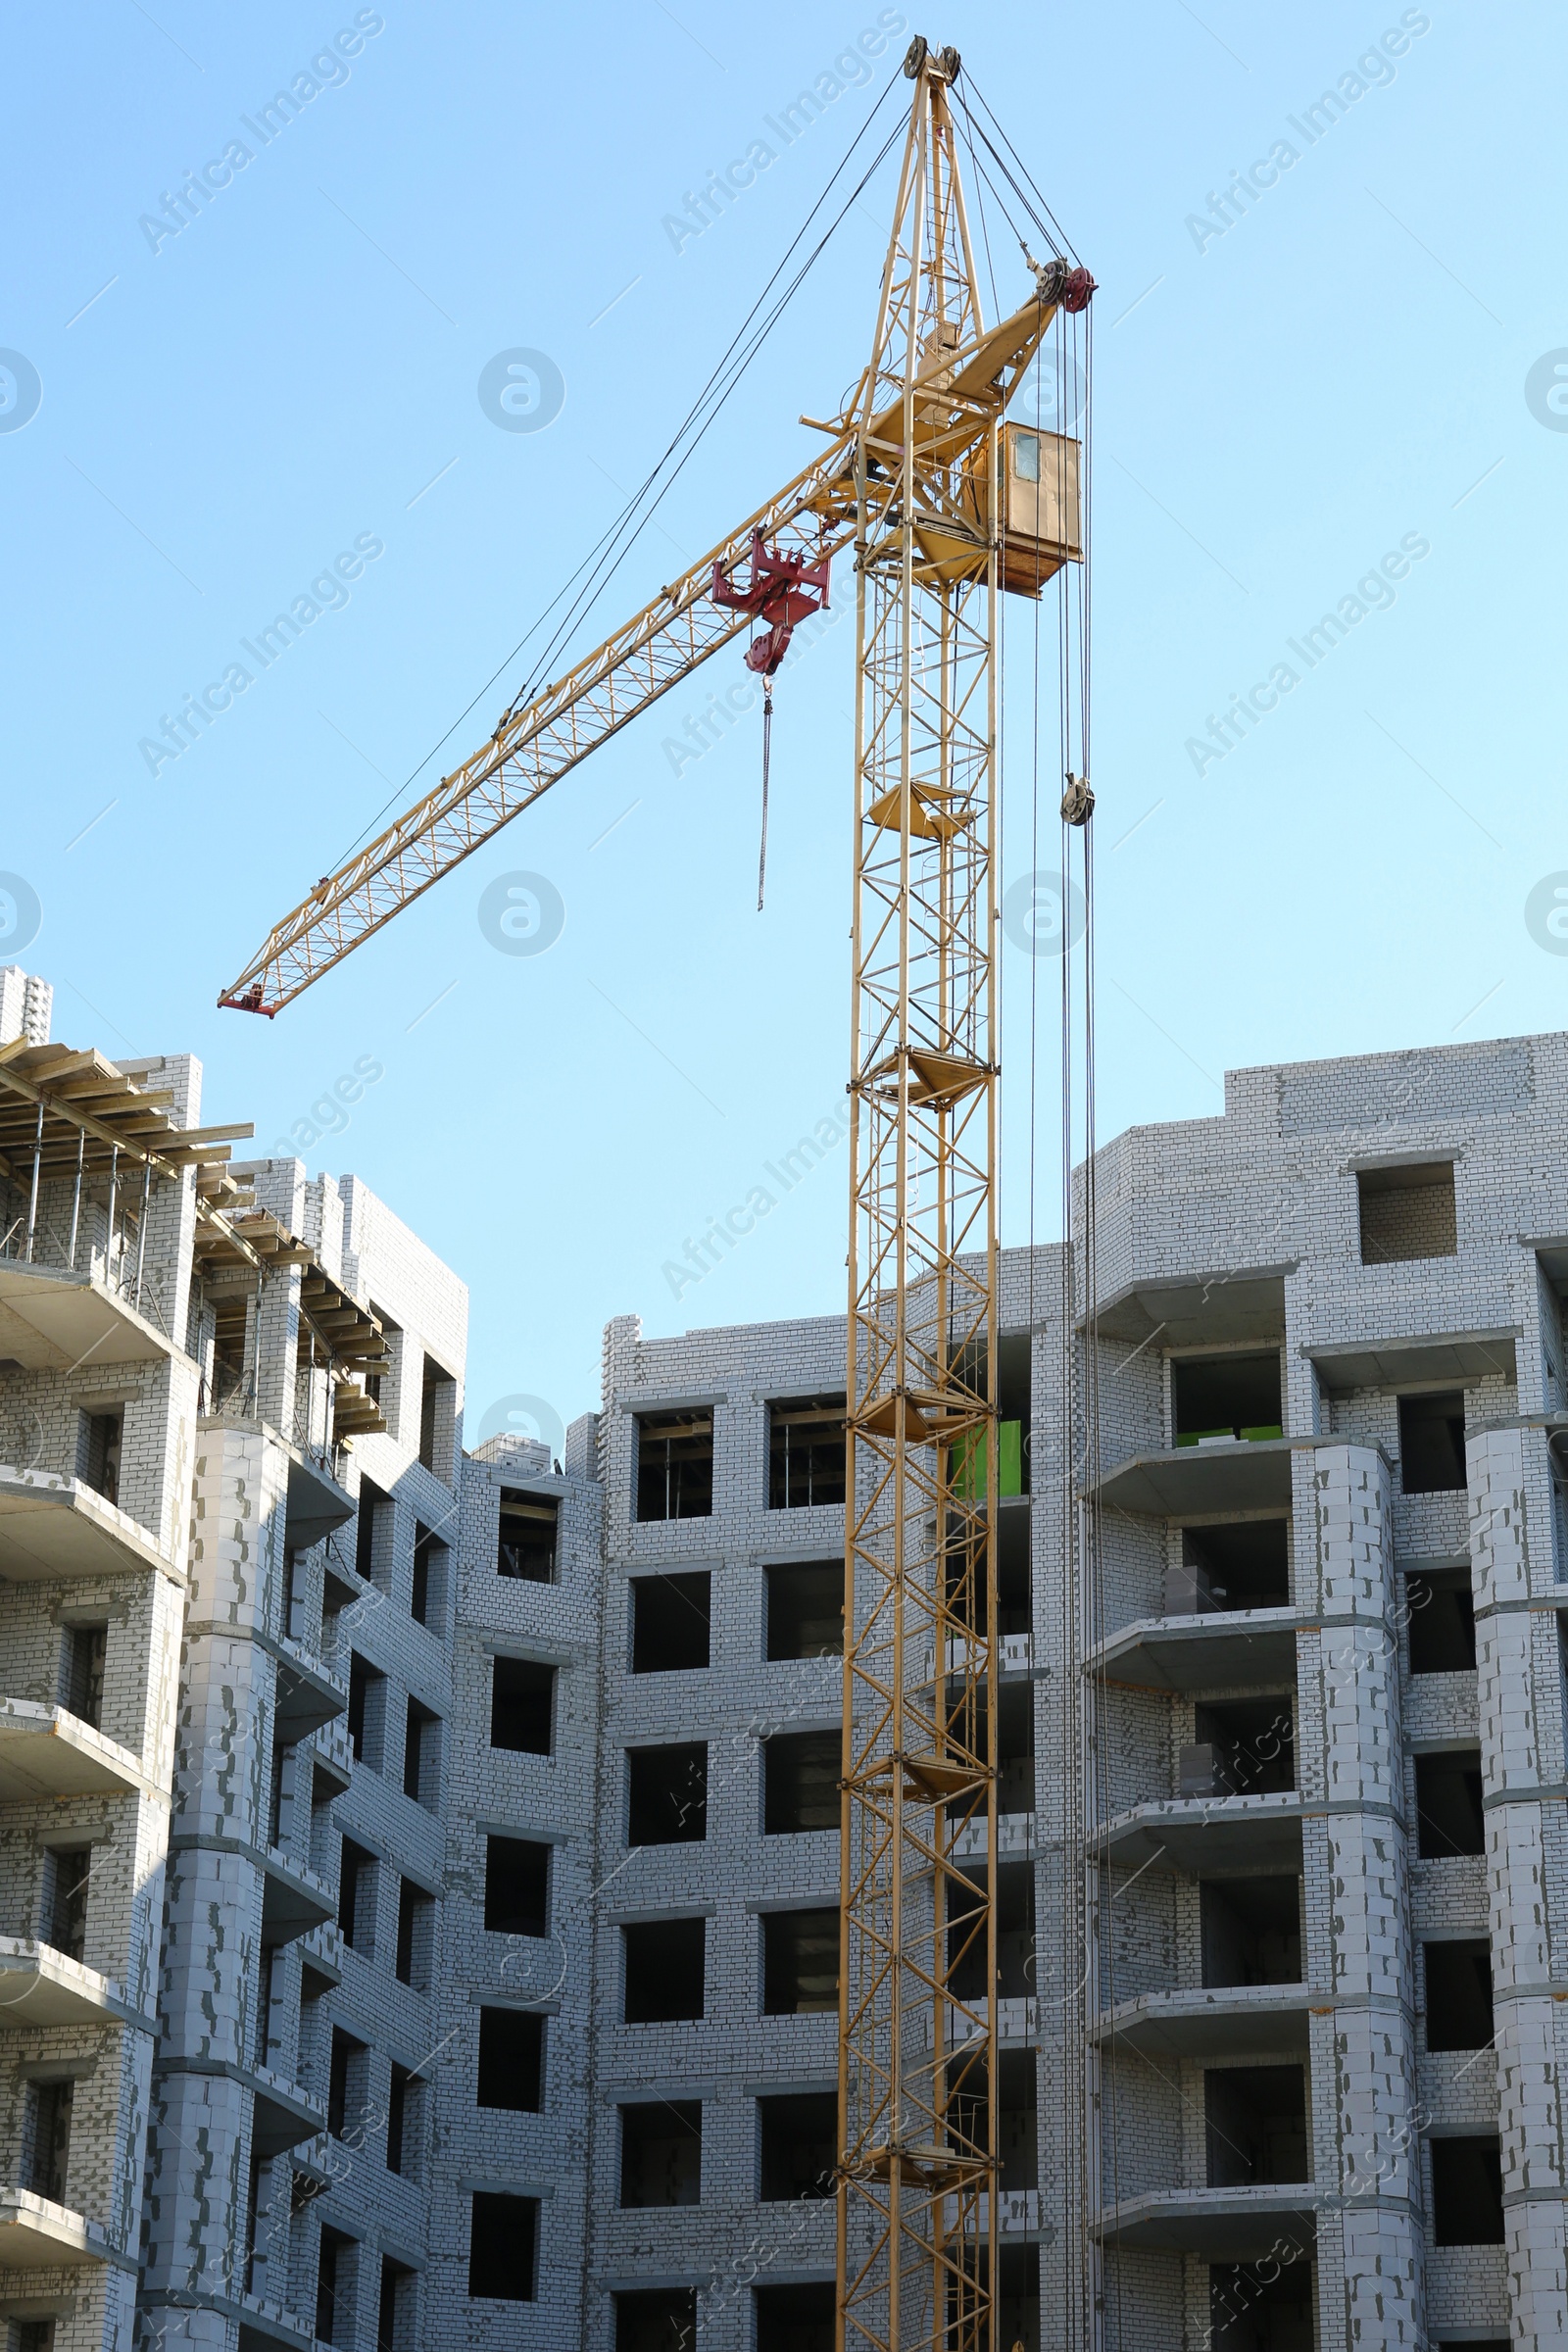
946,504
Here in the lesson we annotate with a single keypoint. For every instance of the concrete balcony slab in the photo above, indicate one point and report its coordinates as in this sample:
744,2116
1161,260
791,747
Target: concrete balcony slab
321,1950
40,1987
261,2324
1447,1359
47,1752
1199,1311
1214,1834
52,1320
294,1902
58,1527
1218,2225
1210,1652
1205,1482
333,1754
283,2113
308,1695
315,1503
1230,2022
36,2234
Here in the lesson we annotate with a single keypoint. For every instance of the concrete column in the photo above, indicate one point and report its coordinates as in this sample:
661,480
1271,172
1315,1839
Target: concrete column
1521,1710
200,2134
1369,2224
277,1336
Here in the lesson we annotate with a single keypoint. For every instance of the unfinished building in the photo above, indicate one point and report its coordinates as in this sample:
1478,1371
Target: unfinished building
422,1875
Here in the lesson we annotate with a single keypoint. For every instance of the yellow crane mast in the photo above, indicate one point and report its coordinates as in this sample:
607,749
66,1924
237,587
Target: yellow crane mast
947,505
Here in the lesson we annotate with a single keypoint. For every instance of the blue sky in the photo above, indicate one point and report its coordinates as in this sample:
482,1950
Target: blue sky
1362,359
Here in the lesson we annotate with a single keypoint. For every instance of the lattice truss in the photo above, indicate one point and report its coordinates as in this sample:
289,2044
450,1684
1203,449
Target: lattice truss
917,2160
913,476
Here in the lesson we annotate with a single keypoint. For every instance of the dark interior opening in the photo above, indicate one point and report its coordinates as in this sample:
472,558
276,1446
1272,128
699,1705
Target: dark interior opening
806,1609
657,2318
347,2068
1443,1622
800,1962
1447,1803
82,1678
1263,2306
1432,1442
421,1749
1243,1565
366,1527
1458,1993
99,1439
366,1710
666,1970
661,2152
1017,2116
1015,1934
1255,2123
356,1897
798,2145
503,2246
1252,1931
333,2257
517,1886
676,1465
963,1591
46,2132
1016,1748
1468,2191
1018,2280
522,1707
415,1927
667,1794
512,2051
1407,1212
438,1395
797,2317
806,1452
394,2314
1250,1745
427,1598
420,1740
525,1543
800,1772
397,2116
1226,1395
967,1461
672,1623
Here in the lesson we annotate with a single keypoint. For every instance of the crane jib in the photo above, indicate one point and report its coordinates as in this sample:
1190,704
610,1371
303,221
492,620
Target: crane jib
812,517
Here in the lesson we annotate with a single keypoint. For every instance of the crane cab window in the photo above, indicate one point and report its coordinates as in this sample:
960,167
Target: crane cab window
1026,457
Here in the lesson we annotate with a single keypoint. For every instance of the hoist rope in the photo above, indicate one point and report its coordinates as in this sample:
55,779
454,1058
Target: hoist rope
592,575
768,745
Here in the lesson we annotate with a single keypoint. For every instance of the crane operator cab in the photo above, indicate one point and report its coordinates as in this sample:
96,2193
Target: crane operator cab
1042,507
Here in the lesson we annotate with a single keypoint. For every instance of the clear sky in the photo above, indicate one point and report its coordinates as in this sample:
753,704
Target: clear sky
197,420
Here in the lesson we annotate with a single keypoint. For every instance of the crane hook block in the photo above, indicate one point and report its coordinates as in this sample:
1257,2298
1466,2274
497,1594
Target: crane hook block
1077,802
782,591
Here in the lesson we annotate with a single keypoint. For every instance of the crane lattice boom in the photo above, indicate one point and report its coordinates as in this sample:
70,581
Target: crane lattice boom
946,504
